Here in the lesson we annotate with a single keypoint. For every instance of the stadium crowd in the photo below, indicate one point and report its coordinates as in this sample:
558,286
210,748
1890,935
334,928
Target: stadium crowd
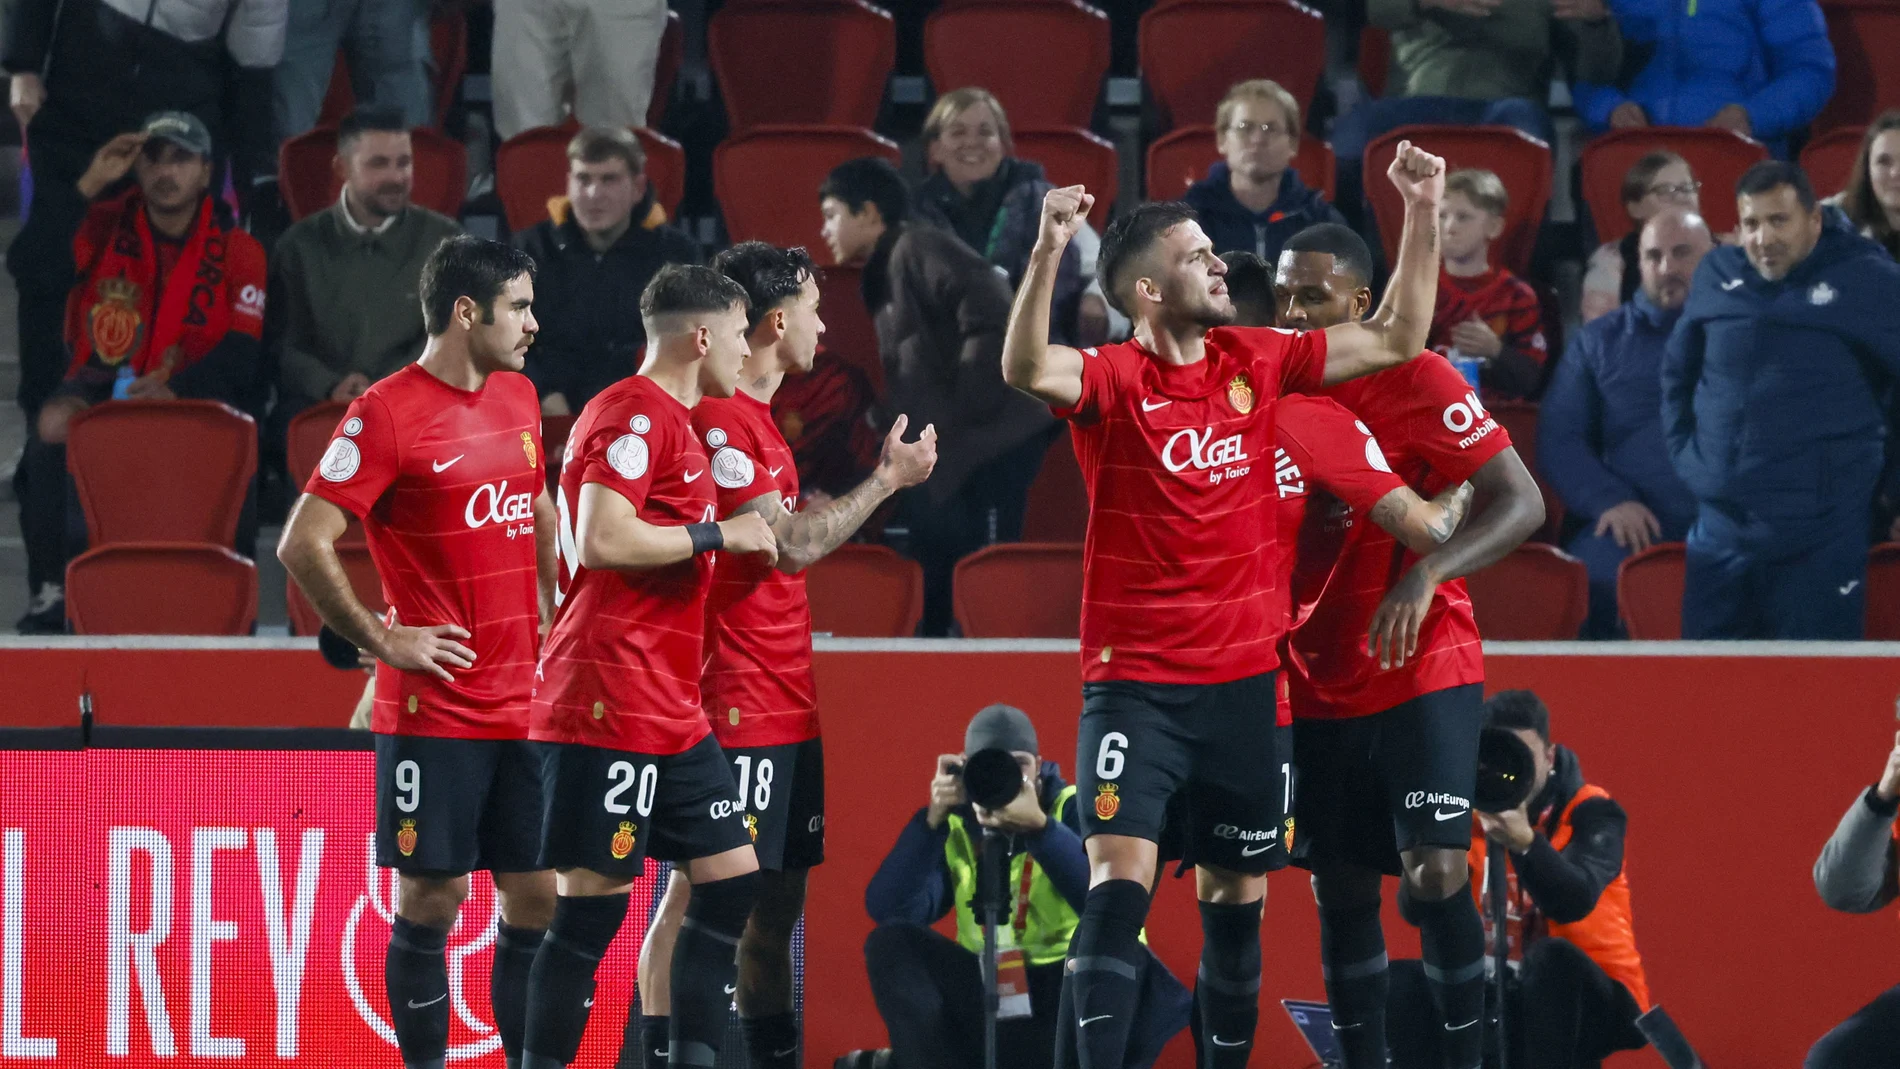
165,253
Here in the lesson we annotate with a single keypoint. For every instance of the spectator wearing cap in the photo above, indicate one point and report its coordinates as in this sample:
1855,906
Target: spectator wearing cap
1253,200
164,299
604,242
84,71
344,309
1762,68
940,309
602,55
1772,394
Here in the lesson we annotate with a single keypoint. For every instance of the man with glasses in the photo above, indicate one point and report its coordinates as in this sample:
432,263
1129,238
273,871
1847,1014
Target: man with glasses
1253,200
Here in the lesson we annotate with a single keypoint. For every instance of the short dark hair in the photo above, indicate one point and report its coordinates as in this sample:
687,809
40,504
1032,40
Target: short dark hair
472,267
768,274
687,289
1341,242
1518,710
381,118
868,180
1133,234
1773,174
598,144
1249,278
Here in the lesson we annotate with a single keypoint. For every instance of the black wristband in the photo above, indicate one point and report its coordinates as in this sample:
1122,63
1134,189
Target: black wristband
706,537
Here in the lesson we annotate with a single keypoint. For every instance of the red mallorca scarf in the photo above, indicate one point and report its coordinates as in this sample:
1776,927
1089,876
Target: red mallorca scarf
121,310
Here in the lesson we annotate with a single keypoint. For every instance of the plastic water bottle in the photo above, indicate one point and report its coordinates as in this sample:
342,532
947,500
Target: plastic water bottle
122,385
1468,366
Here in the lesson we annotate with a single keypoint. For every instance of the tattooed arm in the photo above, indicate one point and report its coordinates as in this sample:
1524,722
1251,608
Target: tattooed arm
1419,524
805,537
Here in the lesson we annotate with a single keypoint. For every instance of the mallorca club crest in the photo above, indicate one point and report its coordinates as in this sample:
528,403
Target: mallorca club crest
406,838
622,843
752,825
527,446
1240,394
1107,801
114,324
1287,839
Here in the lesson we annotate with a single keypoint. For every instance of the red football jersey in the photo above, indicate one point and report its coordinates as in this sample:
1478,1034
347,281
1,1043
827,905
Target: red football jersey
444,481
1435,433
757,687
621,667
1178,575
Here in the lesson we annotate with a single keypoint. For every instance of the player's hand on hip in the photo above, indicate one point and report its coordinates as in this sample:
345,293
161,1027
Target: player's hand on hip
1393,635
1064,211
749,533
1419,175
1889,786
946,788
426,649
907,463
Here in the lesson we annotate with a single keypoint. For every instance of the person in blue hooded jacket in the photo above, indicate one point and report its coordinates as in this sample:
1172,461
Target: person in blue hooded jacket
1762,68
1253,200
1775,387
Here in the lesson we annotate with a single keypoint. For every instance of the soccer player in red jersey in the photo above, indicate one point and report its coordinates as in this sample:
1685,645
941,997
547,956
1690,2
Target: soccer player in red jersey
442,463
629,764
1174,433
757,688
1387,675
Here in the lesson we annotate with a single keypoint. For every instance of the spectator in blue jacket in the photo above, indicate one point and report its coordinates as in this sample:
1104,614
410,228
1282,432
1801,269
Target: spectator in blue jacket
1599,435
1253,200
1762,68
1773,393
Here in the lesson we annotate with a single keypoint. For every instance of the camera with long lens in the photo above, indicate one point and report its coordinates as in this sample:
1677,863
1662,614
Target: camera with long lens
1506,771
991,778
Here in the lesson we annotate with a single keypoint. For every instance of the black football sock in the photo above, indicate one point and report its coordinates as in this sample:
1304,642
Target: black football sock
1227,988
1451,934
1065,1022
771,1042
706,967
416,978
1352,960
561,983
643,1043
508,985
1106,968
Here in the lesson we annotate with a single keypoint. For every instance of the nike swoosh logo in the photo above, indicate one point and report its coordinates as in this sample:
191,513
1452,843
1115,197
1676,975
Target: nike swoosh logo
444,465
1453,815
1849,588
660,1054
1086,1021
1146,407
730,988
414,1005
1250,851
1459,1027
696,475
1219,1042
787,1052
589,1004
776,470
1731,284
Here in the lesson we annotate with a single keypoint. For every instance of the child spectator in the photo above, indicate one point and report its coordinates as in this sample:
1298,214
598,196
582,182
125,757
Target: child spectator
1485,312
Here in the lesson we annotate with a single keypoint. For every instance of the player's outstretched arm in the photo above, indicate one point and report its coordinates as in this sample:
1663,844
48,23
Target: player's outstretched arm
308,552
1051,374
806,537
547,521
1422,525
1506,508
1397,330
609,534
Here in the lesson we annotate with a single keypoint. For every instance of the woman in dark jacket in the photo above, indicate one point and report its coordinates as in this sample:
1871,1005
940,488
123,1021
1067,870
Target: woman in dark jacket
1871,200
993,201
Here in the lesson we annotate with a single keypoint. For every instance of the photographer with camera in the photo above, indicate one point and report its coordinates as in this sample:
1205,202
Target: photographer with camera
1576,987
929,989
1859,872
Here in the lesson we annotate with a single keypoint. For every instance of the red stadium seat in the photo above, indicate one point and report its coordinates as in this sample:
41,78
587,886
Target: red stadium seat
161,588
448,45
1864,84
865,591
1044,59
841,55
1829,159
1649,592
1182,157
1537,593
363,579
767,180
1058,506
1193,51
666,70
1717,157
1519,420
162,471
1375,58
1883,593
531,169
991,584
309,182
849,330
1073,156
1517,158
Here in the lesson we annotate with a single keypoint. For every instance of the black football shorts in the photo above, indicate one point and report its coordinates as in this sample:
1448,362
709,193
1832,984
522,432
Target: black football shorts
451,806
608,810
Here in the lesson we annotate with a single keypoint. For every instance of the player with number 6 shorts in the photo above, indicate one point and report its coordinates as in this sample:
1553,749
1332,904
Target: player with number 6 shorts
1180,752
629,765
